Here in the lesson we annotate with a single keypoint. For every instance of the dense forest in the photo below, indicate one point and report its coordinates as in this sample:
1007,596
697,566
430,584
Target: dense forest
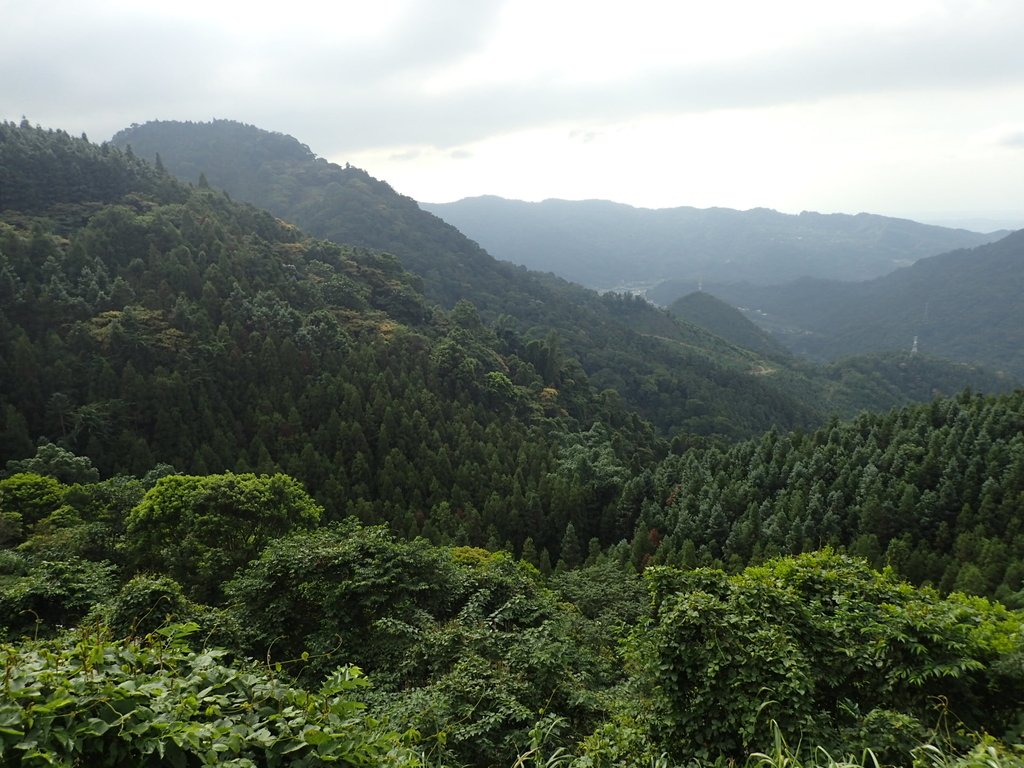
672,372
267,501
934,491
676,376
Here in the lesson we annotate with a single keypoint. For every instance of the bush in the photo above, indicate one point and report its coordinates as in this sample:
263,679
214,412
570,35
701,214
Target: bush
200,530
90,701
145,604
53,594
835,653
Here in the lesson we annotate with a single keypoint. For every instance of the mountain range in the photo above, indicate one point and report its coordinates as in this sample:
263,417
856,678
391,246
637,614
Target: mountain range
245,465
607,245
826,286
964,305
676,374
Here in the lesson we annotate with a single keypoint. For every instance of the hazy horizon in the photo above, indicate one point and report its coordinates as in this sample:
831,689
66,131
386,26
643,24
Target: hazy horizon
979,222
913,110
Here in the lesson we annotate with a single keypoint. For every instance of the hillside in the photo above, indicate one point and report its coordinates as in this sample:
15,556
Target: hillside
964,305
676,374
190,331
874,381
343,204
931,490
212,639
724,320
174,326
263,503
679,377
608,245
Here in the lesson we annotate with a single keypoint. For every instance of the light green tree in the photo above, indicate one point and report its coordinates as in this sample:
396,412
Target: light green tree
200,530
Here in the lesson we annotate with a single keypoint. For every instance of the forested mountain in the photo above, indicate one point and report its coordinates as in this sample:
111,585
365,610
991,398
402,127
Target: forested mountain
177,327
677,375
934,491
204,334
52,172
484,658
722,319
203,411
342,204
874,380
609,245
965,305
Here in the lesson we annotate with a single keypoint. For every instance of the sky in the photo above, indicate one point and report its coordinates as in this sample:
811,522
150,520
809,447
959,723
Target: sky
908,108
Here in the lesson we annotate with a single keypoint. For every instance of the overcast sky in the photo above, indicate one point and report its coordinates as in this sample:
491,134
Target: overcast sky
902,107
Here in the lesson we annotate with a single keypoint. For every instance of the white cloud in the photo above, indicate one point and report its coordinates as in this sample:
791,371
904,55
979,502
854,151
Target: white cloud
1011,136
736,102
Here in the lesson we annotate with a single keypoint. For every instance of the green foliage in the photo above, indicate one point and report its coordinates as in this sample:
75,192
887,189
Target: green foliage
341,592
54,461
463,643
146,604
88,701
848,659
46,596
620,742
43,168
200,530
66,521
604,592
986,753
25,499
934,491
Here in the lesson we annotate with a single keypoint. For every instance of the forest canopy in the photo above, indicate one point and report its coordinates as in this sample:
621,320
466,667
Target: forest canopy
267,501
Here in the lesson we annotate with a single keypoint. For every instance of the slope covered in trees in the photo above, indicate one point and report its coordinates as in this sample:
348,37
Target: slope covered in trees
474,658
934,491
722,319
45,170
210,612
875,381
678,376
963,305
607,245
342,204
207,335
178,327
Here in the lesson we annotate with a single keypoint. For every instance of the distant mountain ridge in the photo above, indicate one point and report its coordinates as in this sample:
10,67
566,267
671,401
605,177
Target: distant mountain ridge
608,245
966,305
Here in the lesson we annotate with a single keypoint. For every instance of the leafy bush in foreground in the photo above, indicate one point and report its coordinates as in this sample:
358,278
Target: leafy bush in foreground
88,701
837,654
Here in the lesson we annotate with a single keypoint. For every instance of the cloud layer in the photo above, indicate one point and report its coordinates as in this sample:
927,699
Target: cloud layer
414,75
